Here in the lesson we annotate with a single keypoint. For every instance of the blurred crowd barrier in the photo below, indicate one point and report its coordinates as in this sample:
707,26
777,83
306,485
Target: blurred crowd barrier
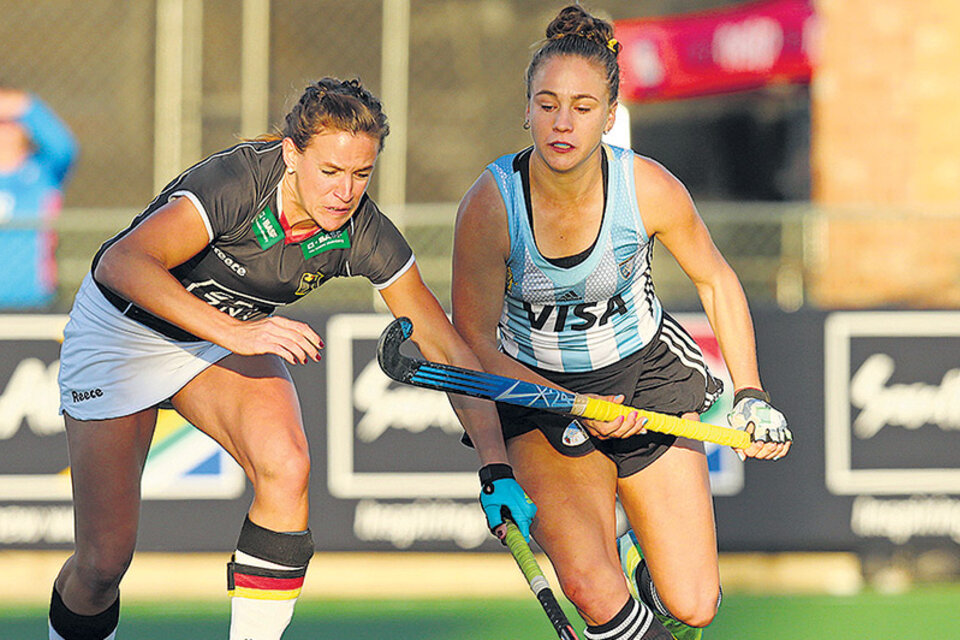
788,255
765,243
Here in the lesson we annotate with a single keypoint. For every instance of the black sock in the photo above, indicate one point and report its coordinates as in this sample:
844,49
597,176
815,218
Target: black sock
74,626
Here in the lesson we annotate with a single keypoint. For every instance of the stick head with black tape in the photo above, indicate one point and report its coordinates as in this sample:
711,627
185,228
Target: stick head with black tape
395,365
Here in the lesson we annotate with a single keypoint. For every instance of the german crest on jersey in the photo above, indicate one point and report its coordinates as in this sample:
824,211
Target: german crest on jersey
309,282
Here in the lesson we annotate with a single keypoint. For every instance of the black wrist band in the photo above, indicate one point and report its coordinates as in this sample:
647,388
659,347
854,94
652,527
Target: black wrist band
750,392
495,471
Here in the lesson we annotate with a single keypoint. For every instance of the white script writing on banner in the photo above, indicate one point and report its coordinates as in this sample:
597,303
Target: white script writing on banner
753,44
402,524
901,405
646,63
405,408
31,394
31,525
900,520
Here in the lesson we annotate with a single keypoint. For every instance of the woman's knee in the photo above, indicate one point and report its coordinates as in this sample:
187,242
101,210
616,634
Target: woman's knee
284,469
697,608
103,569
591,590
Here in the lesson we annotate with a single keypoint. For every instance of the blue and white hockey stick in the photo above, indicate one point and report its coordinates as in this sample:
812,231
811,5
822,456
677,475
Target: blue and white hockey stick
443,377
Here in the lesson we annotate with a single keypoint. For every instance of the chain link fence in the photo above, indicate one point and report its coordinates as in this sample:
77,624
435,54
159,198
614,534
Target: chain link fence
151,86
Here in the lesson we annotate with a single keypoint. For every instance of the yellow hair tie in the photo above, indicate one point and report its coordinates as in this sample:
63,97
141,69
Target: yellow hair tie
612,44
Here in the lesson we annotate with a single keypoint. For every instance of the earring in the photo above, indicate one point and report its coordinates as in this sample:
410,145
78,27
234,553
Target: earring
526,124
289,169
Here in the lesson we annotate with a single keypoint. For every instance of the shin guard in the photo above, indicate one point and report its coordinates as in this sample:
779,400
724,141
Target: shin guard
264,579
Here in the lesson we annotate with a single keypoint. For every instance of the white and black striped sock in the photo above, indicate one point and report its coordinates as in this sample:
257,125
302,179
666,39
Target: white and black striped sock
648,591
635,621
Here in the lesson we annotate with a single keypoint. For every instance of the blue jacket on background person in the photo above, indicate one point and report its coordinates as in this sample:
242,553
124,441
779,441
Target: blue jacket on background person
37,151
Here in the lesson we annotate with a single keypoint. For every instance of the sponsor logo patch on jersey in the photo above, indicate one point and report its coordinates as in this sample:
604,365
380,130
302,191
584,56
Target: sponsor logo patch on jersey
569,296
325,242
267,229
579,317
574,435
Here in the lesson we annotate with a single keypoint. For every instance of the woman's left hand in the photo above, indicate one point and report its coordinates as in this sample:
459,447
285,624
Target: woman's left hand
621,427
768,427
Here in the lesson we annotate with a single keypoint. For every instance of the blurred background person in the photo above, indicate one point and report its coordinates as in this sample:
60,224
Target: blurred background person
37,151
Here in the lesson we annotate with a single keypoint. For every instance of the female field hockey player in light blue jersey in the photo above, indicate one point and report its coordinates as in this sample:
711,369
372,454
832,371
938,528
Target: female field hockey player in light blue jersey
552,284
590,314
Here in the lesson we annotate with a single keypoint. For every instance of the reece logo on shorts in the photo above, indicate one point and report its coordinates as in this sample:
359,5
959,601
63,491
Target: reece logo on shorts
80,396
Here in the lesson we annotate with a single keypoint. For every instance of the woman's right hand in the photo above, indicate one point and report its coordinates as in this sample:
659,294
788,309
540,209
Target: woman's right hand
620,427
296,342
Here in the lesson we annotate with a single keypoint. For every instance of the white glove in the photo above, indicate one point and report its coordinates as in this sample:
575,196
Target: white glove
752,408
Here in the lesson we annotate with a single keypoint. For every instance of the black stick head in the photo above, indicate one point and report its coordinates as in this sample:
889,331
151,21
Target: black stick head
392,362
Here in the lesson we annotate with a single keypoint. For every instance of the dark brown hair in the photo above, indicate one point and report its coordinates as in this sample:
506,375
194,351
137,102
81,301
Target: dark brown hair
574,32
331,104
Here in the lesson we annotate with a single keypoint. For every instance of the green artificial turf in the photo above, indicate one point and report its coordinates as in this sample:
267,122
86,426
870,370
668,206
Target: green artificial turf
923,612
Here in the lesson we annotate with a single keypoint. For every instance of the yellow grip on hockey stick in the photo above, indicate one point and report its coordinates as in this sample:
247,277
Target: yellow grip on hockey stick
596,409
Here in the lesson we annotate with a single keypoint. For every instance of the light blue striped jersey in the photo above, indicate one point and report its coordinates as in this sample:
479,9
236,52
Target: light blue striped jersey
589,315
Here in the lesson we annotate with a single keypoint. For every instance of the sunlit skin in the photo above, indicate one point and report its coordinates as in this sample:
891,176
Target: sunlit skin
569,110
329,177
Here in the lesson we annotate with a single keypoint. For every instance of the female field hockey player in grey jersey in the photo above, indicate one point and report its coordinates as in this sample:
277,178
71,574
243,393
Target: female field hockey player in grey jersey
552,284
178,311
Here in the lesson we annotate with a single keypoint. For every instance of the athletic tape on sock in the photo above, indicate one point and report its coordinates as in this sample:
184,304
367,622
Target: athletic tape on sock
288,549
271,565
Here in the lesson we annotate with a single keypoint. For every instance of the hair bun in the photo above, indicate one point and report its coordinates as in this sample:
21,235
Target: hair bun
573,20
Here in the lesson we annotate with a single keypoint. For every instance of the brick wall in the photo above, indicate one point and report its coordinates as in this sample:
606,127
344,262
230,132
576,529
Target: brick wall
886,104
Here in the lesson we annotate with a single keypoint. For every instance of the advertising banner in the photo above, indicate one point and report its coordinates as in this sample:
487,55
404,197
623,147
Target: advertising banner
873,399
744,47
892,391
196,480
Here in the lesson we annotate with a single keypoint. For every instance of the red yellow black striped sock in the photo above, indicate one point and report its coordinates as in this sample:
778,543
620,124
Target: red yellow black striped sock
264,579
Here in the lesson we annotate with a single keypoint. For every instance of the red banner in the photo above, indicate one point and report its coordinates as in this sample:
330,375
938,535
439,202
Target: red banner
746,47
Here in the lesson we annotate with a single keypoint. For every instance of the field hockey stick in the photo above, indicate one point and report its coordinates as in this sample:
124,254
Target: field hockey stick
537,581
444,377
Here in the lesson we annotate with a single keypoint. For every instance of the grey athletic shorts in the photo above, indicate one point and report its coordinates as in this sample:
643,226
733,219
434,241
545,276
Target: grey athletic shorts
669,375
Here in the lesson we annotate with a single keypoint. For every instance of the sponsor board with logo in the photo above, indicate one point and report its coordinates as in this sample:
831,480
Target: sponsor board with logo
870,398
892,395
892,388
393,450
422,470
35,492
